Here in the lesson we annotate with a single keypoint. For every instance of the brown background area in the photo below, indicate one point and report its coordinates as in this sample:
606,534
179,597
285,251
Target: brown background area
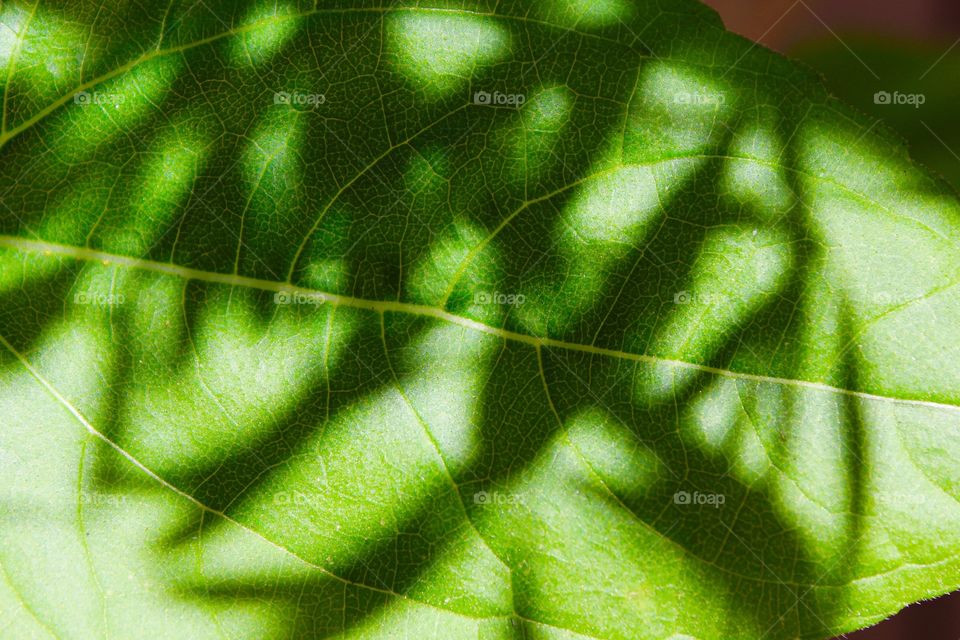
781,24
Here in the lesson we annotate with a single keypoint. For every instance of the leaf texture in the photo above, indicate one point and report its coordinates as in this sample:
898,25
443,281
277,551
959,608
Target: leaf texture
472,319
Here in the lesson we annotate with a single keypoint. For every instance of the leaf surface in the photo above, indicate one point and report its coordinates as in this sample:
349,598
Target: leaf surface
468,320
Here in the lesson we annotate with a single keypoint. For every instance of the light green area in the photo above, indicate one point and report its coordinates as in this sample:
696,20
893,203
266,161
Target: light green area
667,349
439,51
268,27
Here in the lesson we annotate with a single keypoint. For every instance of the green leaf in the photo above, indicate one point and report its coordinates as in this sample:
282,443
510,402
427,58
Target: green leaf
460,320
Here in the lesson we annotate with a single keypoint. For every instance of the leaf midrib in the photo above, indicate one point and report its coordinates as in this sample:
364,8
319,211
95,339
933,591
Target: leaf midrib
392,306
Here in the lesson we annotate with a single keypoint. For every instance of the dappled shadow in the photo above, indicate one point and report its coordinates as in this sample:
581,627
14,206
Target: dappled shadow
659,354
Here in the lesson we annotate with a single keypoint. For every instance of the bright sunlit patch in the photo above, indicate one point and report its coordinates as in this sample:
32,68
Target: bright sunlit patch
929,441
893,256
711,415
13,20
61,517
661,380
614,452
677,111
747,449
75,356
426,170
752,176
100,290
440,51
273,168
814,488
530,142
562,481
166,178
453,257
273,143
548,110
329,274
593,13
42,53
44,443
607,217
445,384
18,269
267,28
104,112
612,208
240,375
735,272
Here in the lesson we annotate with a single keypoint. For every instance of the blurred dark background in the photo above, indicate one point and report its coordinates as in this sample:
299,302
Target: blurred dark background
862,47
